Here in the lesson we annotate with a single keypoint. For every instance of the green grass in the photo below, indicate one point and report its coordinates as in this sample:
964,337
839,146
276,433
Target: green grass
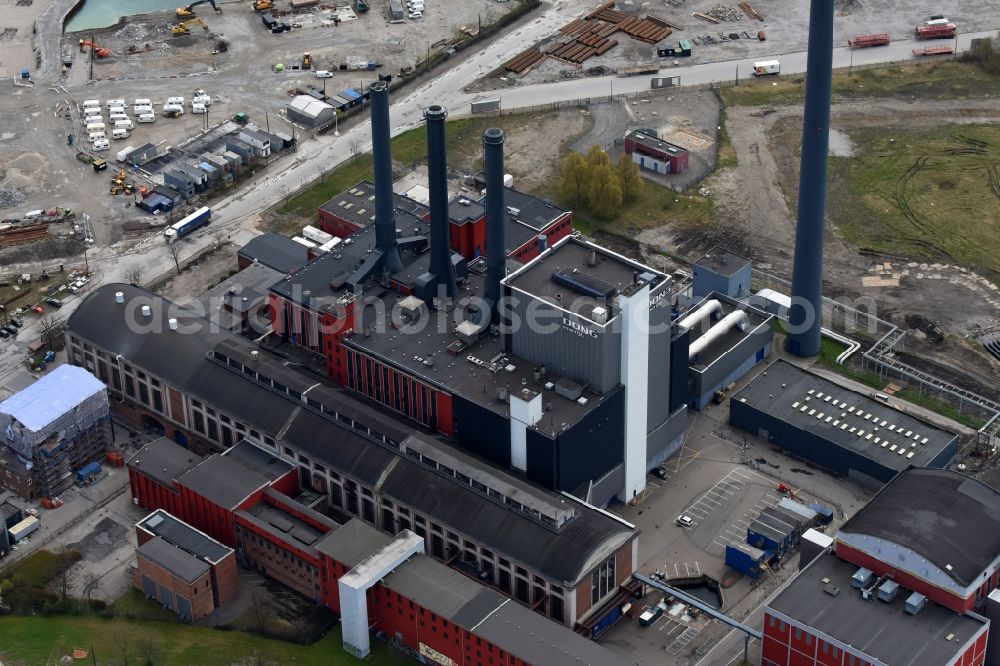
726,156
939,406
924,80
33,639
829,350
930,194
134,605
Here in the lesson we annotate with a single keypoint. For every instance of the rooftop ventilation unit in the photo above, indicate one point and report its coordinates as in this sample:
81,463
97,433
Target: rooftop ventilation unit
888,590
862,578
915,602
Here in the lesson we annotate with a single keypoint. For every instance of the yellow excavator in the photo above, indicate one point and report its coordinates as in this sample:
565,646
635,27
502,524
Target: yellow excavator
262,5
188,12
184,27
119,184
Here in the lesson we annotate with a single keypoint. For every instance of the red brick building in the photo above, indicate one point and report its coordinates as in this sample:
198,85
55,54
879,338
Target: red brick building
209,391
183,568
654,154
896,589
425,605
528,217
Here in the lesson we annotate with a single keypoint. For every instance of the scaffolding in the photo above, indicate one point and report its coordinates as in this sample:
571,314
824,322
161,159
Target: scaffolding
57,425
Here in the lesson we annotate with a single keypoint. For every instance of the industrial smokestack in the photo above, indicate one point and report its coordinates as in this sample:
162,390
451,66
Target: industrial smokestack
437,184
496,236
385,216
806,314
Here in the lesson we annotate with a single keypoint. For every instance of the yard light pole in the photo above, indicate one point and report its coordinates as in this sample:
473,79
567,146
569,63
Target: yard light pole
336,122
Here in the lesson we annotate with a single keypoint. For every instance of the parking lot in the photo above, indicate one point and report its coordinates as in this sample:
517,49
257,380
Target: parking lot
721,480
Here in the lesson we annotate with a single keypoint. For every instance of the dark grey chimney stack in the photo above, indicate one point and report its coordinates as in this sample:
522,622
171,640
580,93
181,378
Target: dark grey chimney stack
385,215
437,184
496,219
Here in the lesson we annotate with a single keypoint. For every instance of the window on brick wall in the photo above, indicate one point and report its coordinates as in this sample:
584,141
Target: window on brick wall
603,580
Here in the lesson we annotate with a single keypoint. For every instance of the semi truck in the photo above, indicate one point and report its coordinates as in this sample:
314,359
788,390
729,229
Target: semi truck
195,220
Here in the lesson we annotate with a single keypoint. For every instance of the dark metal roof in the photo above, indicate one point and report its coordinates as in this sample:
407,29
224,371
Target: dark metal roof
722,261
173,559
563,556
462,210
223,481
283,525
882,630
264,463
352,542
357,205
444,591
180,534
519,631
163,460
782,389
644,139
406,349
275,251
949,518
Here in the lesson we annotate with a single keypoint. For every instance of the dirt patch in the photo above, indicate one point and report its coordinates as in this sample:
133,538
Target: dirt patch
199,278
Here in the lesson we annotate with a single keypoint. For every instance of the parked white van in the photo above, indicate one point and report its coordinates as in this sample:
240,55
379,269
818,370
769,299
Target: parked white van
139,110
124,124
202,99
116,102
115,117
174,108
87,103
197,108
89,120
101,144
141,101
95,136
119,133
175,100
95,127
147,118
116,109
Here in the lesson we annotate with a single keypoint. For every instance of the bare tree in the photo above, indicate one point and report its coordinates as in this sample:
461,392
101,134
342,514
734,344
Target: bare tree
91,583
49,326
65,578
133,274
175,253
355,147
262,611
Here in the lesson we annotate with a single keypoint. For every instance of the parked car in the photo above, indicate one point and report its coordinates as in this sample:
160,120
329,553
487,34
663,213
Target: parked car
17,322
660,473
684,521
4,334
38,309
324,74
10,328
54,302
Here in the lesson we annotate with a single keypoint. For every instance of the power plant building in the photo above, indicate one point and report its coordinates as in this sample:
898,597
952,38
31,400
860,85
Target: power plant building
725,340
840,430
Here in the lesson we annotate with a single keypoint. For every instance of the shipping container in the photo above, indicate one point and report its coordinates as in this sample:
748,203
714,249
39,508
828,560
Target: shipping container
24,528
87,472
806,512
745,559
